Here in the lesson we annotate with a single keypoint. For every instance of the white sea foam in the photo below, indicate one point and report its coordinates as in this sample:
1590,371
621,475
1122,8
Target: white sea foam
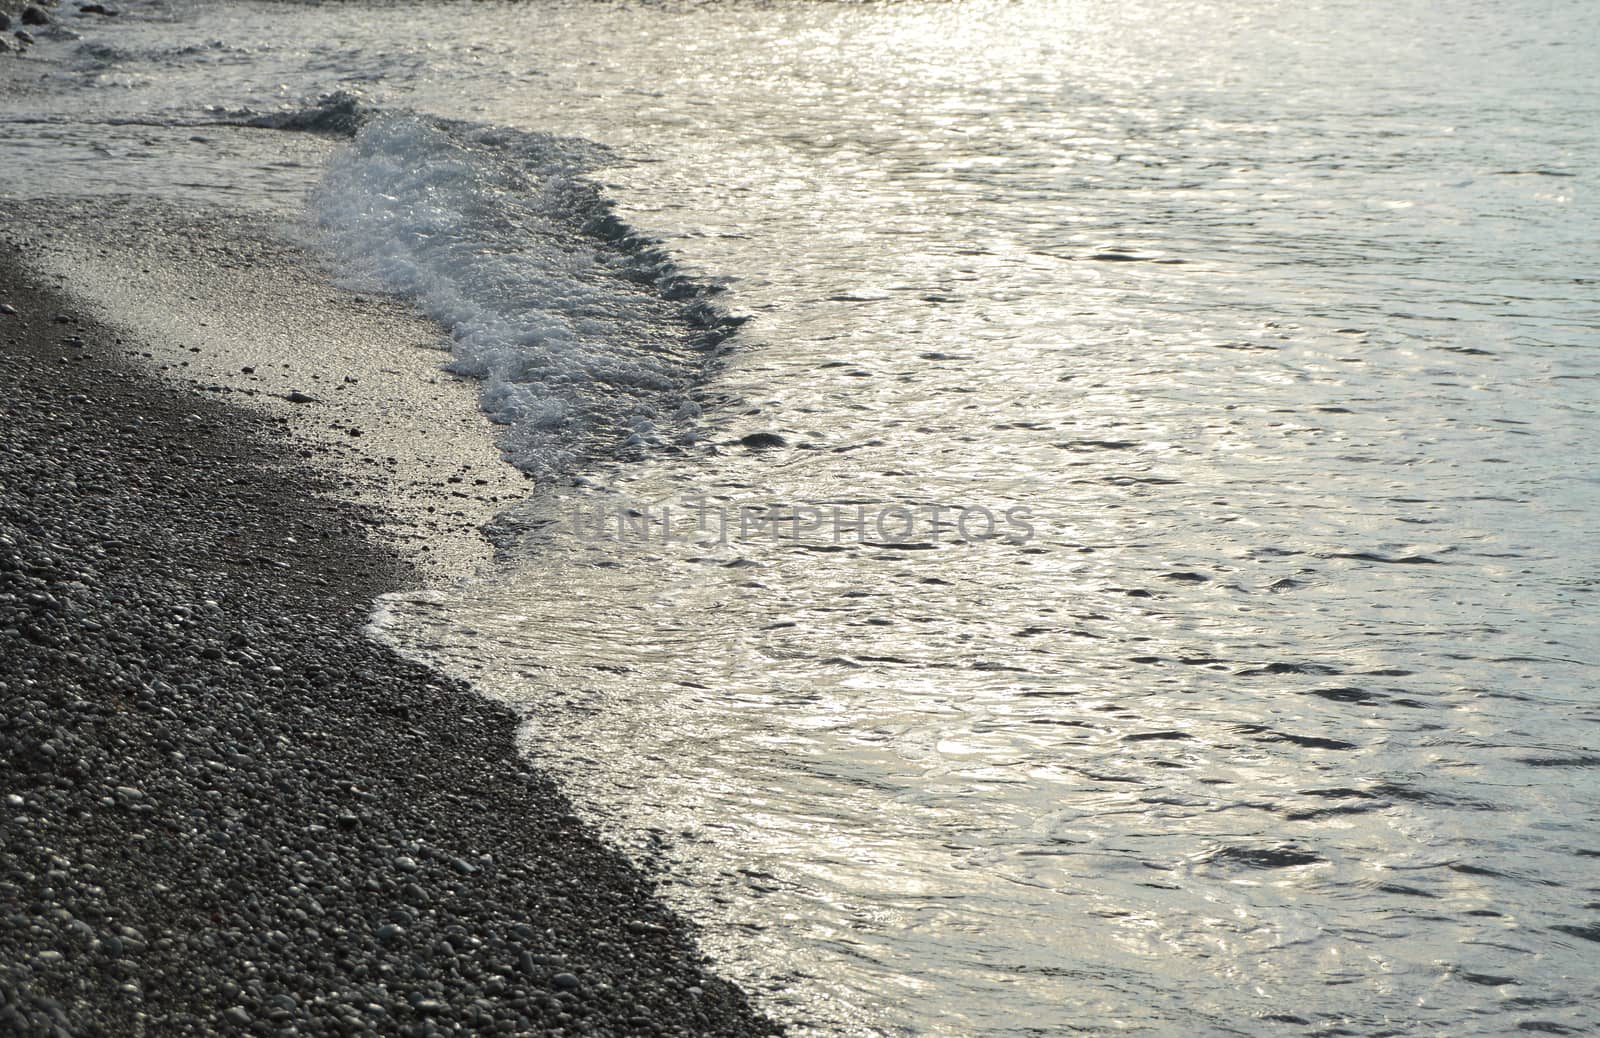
562,312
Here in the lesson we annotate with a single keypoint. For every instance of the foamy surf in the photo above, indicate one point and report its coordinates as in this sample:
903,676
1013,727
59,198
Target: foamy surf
585,335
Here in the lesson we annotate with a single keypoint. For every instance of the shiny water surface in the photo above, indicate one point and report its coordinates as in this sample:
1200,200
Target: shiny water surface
1279,320
1283,325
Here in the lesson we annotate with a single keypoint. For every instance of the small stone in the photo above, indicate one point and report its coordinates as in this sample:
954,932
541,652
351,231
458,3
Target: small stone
6,308
405,864
565,981
763,441
391,932
297,397
32,15
238,1016
5,23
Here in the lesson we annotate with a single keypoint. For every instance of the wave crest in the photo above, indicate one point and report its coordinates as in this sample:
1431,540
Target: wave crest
585,333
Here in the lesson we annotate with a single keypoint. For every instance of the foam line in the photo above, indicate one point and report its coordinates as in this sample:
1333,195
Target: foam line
585,335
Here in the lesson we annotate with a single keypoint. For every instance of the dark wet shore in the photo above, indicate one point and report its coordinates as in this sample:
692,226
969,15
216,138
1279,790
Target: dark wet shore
224,810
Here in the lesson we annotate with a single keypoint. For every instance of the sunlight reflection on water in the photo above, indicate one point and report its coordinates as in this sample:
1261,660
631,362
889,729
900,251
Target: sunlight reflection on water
1243,734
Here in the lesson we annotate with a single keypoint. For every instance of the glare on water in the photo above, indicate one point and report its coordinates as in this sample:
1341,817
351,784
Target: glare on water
1274,324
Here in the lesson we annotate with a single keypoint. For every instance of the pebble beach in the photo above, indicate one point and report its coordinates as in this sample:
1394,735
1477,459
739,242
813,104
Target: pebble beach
225,809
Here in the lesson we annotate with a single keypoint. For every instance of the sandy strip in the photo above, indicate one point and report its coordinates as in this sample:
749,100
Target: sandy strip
228,304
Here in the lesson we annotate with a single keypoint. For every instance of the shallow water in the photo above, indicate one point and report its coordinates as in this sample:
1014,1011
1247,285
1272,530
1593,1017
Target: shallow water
1279,322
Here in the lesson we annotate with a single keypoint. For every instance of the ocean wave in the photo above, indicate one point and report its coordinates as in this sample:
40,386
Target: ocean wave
585,334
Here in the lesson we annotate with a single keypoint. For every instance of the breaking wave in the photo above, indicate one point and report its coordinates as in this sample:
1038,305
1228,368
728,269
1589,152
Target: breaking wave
585,334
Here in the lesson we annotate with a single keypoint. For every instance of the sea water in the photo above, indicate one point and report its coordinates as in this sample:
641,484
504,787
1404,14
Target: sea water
1129,571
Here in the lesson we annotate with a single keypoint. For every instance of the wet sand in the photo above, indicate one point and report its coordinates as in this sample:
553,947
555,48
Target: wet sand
229,304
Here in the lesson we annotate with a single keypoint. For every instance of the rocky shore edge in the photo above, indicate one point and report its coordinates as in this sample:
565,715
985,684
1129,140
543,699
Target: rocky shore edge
224,810
20,18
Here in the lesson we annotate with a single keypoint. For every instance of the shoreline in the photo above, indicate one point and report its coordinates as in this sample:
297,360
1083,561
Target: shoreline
228,811
229,305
